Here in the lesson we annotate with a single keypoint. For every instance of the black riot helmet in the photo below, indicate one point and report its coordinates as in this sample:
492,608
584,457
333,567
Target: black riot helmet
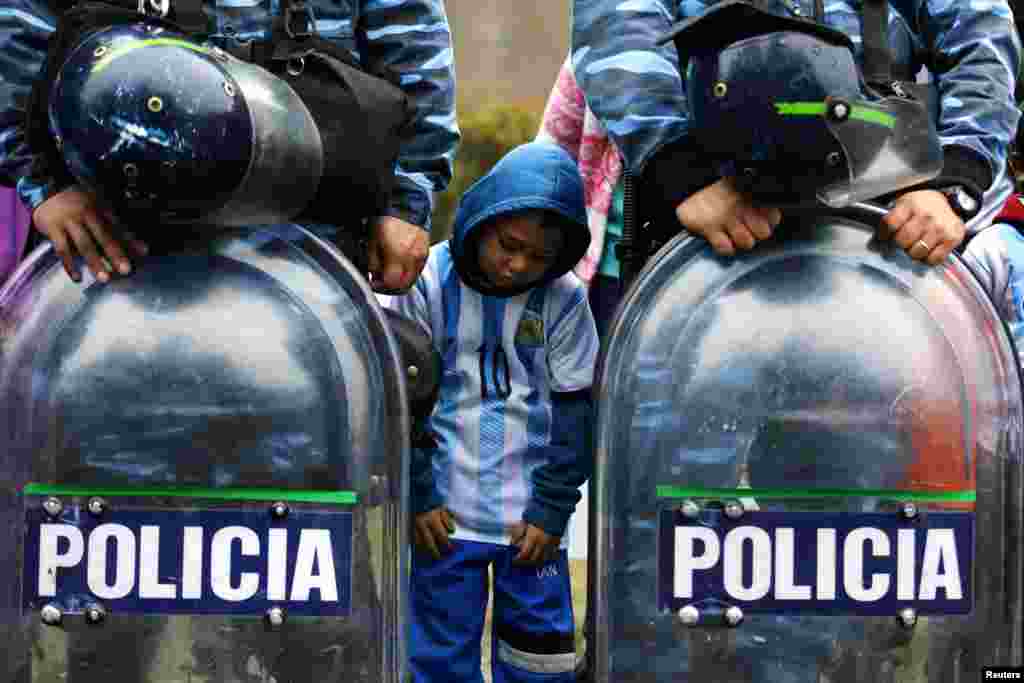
781,104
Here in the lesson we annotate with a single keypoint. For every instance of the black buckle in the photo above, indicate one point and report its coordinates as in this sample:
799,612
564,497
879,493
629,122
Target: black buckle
304,12
154,8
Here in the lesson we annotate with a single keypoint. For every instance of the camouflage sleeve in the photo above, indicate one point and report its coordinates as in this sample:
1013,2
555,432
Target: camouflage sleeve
412,38
996,258
25,27
630,83
976,52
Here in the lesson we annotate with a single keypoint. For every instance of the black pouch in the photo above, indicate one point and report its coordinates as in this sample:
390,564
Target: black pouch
422,364
362,117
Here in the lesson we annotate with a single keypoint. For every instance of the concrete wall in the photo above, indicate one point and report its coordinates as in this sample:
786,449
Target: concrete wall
507,52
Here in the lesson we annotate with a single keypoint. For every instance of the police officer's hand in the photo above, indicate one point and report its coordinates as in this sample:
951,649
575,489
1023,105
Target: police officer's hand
536,546
726,218
924,225
431,530
76,224
398,252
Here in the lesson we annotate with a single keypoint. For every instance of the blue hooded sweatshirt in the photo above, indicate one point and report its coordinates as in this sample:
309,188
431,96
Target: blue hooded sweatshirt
513,420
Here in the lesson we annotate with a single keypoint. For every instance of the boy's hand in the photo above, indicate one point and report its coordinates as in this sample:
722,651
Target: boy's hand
75,223
398,252
536,546
924,225
431,530
726,218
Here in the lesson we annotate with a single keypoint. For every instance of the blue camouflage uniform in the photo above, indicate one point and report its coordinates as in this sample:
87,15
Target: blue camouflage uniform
635,88
411,37
996,257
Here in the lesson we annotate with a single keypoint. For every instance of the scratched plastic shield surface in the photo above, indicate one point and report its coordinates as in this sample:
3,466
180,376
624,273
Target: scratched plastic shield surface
808,468
202,469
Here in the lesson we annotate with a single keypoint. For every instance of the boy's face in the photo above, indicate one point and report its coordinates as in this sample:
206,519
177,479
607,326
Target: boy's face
518,250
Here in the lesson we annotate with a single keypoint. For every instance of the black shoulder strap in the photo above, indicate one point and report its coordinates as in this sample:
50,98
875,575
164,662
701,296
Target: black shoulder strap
184,15
875,34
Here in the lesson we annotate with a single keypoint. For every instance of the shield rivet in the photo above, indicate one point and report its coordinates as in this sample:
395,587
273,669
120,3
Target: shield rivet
279,510
839,111
908,617
130,170
689,615
155,104
908,511
100,51
377,485
295,66
53,507
97,506
95,614
275,616
412,371
967,202
734,509
229,89
51,615
720,89
690,509
733,616
833,158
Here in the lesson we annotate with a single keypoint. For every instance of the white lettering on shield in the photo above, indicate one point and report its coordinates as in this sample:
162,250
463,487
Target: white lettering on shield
773,561
123,541
136,563
220,563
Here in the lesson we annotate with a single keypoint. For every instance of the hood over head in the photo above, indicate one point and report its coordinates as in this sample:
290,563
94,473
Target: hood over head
536,175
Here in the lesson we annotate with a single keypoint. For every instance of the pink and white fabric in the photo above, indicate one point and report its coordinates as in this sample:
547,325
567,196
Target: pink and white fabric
569,123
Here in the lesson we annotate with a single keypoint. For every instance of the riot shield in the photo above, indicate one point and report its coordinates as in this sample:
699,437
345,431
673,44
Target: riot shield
808,468
202,470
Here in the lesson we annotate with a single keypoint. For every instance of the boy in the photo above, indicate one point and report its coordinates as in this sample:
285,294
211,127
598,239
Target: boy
512,424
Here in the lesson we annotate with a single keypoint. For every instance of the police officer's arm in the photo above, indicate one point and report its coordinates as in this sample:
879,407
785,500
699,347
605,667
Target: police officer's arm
975,56
412,39
69,217
572,352
634,87
25,27
632,84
